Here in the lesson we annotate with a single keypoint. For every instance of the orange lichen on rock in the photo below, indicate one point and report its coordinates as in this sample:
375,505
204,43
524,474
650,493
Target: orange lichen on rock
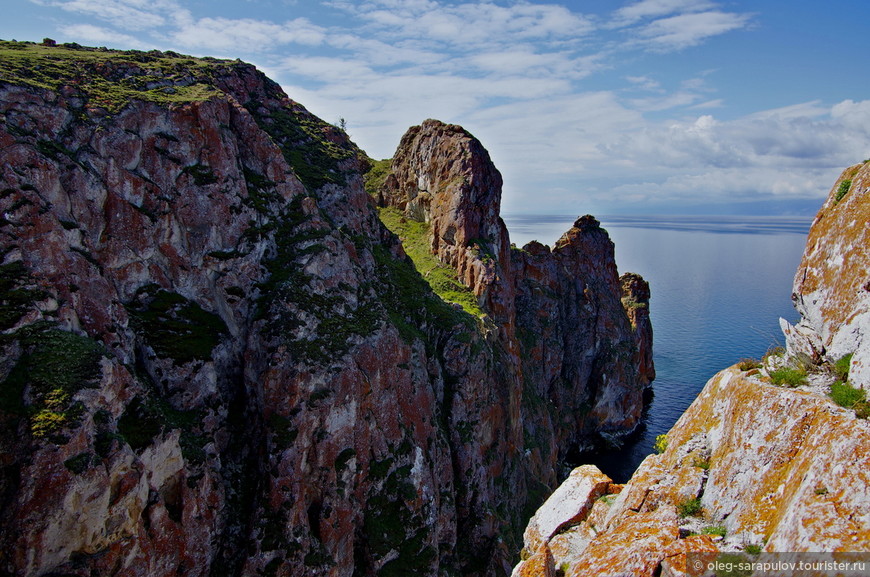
832,287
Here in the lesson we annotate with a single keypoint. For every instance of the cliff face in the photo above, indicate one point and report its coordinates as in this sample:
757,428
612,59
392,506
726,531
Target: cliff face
751,465
577,337
217,361
832,286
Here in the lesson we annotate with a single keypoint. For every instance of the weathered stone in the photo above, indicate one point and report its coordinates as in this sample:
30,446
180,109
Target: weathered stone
639,549
569,504
674,562
830,287
540,564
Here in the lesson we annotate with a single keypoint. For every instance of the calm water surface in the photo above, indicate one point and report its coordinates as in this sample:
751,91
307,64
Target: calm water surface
719,286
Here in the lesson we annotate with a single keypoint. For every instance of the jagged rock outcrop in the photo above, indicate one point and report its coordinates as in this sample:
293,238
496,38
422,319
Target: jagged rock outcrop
752,465
832,285
215,360
443,176
577,336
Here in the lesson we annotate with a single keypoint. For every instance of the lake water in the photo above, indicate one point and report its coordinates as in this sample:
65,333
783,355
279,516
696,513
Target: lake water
719,286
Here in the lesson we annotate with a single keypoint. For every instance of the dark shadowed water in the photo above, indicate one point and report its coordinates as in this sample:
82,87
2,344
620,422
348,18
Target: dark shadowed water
719,286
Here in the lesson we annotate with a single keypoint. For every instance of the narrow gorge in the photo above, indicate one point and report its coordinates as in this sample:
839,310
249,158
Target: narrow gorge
219,354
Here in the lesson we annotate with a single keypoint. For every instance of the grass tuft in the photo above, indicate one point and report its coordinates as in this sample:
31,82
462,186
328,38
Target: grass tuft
689,507
788,377
841,367
715,530
843,190
846,395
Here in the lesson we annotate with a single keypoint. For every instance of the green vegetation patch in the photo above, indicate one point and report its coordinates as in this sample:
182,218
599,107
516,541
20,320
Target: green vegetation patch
390,525
110,78
846,395
410,302
332,315
841,367
17,296
689,507
748,364
377,175
55,365
173,326
79,463
714,530
146,417
442,278
788,377
862,409
842,190
201,174
314,149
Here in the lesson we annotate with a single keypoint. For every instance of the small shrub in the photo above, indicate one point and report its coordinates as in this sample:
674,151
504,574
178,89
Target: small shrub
841,367
788,377
843,190
748,364
846,395
821,490
661,444
752,549
689,507
79,463
776,351
701,463
607,499
862,409
715,530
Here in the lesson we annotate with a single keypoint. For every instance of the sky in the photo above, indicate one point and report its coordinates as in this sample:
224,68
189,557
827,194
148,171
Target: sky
586,106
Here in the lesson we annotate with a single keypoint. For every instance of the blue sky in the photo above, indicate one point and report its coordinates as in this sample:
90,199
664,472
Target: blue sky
601,106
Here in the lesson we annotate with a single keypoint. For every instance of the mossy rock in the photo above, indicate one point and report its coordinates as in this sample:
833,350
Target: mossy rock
17,295
174,326
54,366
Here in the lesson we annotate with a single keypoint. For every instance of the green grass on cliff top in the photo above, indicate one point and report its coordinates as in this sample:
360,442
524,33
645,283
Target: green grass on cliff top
110,78
442,278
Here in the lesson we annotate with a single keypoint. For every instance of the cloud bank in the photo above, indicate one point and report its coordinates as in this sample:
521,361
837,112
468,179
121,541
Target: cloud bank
551,92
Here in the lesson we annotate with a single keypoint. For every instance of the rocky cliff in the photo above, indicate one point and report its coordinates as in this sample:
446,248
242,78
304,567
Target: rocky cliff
771,457
216,359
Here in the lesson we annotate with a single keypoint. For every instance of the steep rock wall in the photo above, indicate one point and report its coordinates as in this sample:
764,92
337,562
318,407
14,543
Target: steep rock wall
577,337
751,466
217,361
832,285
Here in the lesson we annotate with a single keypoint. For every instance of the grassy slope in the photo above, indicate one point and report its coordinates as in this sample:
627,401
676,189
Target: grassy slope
110,78
442,278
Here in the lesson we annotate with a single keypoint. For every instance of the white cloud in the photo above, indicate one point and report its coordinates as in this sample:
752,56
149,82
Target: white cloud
526,79
645,83
96,35
656,8
470,23
685,30
777,152
253,35
131,15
